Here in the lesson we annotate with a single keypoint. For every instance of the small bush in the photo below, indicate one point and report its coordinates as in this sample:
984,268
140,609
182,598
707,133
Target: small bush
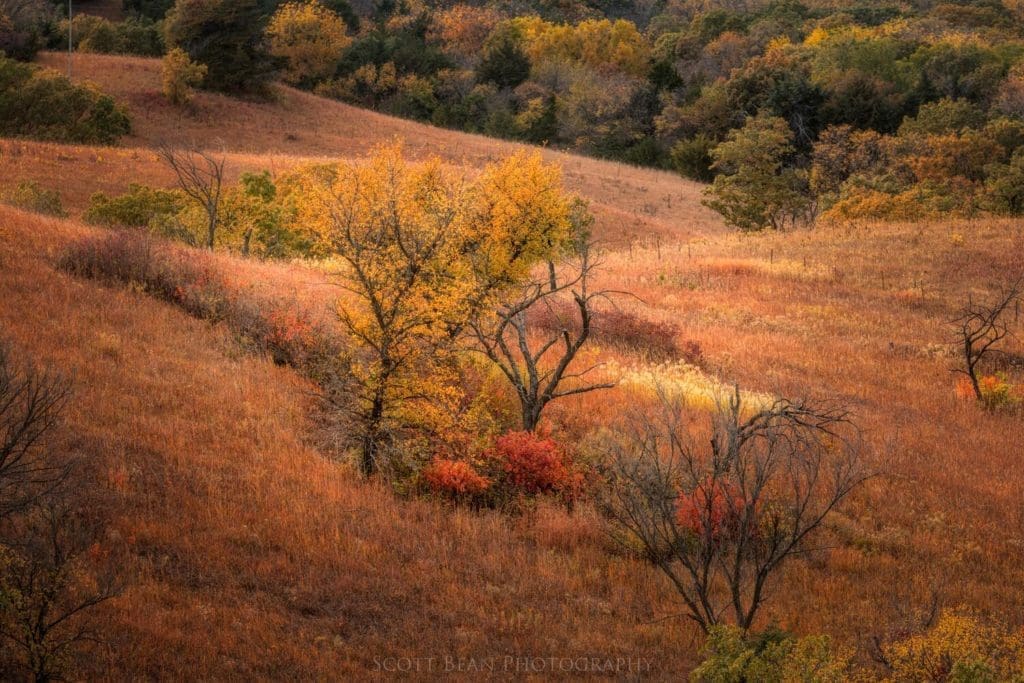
998,393
692,158
533,465
961,647
43,104
454,478
31,196
774,655
180,75
136,209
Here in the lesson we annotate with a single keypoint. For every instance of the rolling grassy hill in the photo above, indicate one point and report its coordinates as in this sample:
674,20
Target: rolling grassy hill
247,552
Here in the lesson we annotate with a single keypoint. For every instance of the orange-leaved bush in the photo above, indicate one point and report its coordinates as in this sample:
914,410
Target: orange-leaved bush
454,478
533,464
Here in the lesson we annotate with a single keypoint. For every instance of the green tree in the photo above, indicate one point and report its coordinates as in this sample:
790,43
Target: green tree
1004,187
504,63
755,189
179,74
227,36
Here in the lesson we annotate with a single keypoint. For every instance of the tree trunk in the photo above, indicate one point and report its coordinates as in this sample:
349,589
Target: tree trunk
371,439
211,230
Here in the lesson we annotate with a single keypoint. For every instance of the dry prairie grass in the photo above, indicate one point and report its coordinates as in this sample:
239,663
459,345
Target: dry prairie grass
260,557
252,554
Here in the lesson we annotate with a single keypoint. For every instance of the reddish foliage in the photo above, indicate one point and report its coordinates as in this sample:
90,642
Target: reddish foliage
533,464
716,514
454,478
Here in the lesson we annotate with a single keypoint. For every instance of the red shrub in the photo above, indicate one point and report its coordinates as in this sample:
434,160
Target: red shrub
533,464
454,478
717,514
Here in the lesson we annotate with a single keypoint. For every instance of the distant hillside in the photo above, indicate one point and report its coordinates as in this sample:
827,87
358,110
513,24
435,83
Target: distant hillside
630,202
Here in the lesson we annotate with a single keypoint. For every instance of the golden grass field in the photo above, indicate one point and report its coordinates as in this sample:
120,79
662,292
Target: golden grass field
253,555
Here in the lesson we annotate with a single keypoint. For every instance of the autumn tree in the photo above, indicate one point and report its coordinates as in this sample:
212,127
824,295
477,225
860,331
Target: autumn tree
720,516
754,189
179,75
423,252
309,37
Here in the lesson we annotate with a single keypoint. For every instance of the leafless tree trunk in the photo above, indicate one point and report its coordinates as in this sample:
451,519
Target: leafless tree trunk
980,326
540,373
200,176
720,519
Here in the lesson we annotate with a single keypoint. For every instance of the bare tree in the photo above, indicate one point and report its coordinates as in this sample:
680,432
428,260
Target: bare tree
30,403
200,176
719,520
48,585
540,372
45,585
980,326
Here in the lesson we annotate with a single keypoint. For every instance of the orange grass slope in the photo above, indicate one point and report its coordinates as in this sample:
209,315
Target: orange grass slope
250,554
297,127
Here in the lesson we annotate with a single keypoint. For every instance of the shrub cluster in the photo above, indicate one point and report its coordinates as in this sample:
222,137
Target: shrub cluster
133,36
289,333
41,103
519,466
135,209
31,196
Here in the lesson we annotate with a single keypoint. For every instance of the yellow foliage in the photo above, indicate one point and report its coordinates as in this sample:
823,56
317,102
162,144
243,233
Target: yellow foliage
959,648
179,74
310,37
598,43
422,252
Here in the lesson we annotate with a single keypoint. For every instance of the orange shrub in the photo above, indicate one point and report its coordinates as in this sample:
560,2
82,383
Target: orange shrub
454,478
997,392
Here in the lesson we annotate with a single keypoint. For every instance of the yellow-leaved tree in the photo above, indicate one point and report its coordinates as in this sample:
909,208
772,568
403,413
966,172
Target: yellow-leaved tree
309,37
422,252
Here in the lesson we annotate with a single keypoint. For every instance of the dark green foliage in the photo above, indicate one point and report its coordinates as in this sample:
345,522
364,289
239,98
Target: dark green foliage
408,49
133,36
863,101
153,9
955,71
24,26
783,89
226,36
1005,186
344,10
43,104
136,209
692,158
505,64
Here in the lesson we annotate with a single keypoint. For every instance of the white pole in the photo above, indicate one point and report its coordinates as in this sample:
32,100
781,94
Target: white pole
69,40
